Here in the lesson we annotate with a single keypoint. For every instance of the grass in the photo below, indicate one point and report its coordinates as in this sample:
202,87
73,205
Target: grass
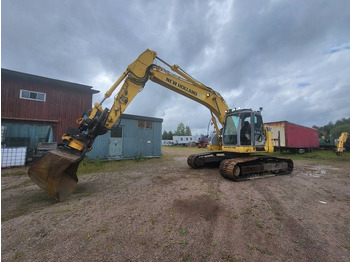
316,155
89,166
14,173
262,251
94,166
140,157
153,221
183,232
183,243
21,184
259,224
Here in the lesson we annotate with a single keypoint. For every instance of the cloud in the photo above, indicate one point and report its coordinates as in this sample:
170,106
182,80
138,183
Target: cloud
290,57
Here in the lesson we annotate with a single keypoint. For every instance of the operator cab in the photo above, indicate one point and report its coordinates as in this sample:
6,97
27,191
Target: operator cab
243,128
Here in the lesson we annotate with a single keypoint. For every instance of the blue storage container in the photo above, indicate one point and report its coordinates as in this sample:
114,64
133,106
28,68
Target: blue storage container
132,136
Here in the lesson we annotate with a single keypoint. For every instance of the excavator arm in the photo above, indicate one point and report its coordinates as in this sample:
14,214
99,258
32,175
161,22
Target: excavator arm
55,172
135,78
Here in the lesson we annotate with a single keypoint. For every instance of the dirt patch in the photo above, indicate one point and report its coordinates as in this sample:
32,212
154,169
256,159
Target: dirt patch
200,206
162,210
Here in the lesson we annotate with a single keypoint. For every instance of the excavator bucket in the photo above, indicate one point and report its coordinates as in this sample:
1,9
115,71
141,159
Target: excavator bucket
55,172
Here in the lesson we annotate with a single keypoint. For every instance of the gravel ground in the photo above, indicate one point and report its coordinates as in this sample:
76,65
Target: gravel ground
162,210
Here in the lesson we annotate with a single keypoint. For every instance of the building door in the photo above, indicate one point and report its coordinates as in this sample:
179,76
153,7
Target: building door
116,142
145,138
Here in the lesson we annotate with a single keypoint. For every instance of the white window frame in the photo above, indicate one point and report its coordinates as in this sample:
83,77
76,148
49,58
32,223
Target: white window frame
34,99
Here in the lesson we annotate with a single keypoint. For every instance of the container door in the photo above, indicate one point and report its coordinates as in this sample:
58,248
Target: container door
145,138
116,142
145,143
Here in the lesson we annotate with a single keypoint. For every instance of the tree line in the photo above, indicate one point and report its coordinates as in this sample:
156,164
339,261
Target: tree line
181,130
334,129
331,129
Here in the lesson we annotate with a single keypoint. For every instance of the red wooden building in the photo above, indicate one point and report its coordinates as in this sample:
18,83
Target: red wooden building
31,102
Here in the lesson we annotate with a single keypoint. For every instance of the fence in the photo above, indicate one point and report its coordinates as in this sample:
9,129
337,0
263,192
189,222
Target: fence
13,156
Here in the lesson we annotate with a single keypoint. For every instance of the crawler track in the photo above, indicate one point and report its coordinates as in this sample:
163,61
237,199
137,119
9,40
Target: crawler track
212,158
239,167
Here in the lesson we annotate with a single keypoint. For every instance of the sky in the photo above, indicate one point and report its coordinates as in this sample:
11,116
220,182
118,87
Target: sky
290,57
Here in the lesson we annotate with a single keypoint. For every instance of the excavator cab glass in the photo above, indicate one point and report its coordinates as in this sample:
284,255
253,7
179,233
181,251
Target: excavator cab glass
244,128
259,135
231,130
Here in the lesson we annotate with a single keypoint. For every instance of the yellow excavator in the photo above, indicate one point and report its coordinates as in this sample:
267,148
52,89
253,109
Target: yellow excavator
339,150
231,146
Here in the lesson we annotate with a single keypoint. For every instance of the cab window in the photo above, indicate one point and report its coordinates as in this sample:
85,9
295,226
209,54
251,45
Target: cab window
246,131
258,129
230,130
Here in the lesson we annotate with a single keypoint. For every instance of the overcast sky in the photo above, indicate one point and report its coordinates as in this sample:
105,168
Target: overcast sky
290,57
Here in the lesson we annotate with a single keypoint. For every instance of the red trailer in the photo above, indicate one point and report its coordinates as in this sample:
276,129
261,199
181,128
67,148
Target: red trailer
292,137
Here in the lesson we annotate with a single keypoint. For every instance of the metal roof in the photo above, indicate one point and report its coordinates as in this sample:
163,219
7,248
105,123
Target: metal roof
144,118
45,80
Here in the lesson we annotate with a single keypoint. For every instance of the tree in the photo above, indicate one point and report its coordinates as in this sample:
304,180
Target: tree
165,135
170,135
188,131
343,121
180,131
333,129
336,132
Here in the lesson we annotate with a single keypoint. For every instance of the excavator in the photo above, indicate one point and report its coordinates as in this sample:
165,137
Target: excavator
339,150
232,146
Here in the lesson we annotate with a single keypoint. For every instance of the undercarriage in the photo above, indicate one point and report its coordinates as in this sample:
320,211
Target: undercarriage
241,167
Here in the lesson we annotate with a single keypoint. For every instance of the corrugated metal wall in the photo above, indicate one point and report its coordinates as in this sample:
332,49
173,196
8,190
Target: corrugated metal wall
100,147
301,136
136,141
290,135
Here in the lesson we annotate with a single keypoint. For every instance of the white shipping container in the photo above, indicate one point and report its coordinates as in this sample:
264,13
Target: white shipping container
13,156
